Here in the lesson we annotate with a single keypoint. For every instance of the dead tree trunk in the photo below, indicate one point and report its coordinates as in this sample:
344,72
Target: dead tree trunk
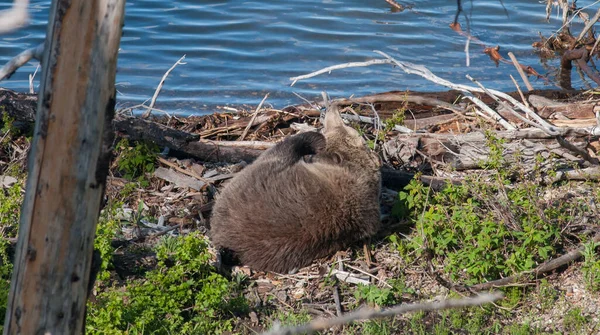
67,168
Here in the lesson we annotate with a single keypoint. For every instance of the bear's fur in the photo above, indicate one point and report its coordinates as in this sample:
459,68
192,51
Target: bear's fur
305,198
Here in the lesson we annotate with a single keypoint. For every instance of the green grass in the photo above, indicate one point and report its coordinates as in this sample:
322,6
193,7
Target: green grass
10,206
487,229
182,295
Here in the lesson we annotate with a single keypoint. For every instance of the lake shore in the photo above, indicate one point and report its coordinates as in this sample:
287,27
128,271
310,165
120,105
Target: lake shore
467,203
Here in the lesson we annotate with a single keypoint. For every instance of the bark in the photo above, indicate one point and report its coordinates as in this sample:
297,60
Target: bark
69,160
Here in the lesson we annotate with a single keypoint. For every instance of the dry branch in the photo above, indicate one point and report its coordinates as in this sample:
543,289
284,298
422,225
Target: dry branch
251,123
15,17
21,59
367,314
159,87
520,70
581,56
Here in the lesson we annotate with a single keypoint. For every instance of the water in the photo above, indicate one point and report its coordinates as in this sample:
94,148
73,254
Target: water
237,51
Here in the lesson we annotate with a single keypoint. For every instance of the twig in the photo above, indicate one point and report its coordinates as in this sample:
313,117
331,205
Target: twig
588,26
521,72
31,77
337,67
370,275
260,145
581,152
21,59
395,4
151,236
15,17
367,313
241,138
468,63
159,87
370,120
425,73
336,298
490,112
525,102
509,108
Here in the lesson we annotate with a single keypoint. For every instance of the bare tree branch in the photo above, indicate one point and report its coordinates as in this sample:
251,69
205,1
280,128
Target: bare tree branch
159,87
367,313
21,59
15,17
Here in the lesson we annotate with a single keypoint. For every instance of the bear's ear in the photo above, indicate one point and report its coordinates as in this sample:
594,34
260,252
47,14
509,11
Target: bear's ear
337,158
333,118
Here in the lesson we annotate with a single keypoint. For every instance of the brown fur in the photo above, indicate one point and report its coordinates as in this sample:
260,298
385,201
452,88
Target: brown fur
306,198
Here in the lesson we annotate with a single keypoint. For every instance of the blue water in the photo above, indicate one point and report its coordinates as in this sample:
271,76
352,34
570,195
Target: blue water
237,51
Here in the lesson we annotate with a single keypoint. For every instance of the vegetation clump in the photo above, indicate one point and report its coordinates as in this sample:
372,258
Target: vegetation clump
182,295
486,229
135,160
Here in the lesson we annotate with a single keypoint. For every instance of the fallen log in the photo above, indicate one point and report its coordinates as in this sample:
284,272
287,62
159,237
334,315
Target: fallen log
468,151
461,151
181,143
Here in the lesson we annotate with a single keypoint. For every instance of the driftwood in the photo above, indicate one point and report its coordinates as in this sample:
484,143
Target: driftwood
21,59
21,108
182,142
467,151
461,151
15,17
178,178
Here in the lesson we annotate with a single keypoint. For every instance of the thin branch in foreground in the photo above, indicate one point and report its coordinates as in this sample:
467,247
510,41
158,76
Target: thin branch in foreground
241,138
368,313
159,87
21,59
15,17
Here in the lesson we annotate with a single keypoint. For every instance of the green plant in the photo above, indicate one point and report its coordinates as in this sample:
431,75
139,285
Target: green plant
376,327
135,161
107,228
396,119
374,295
547,295
489,228
591,266
574,322
182,295
284,318
416,324
10,205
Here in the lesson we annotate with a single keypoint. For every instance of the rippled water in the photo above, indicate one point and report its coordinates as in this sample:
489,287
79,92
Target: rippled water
236,51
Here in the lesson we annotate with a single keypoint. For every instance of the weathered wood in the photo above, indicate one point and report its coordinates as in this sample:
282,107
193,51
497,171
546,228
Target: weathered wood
178,178
468,151
67,169
548,107
209,151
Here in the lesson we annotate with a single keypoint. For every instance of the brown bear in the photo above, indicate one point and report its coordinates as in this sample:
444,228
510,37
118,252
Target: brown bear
305,198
